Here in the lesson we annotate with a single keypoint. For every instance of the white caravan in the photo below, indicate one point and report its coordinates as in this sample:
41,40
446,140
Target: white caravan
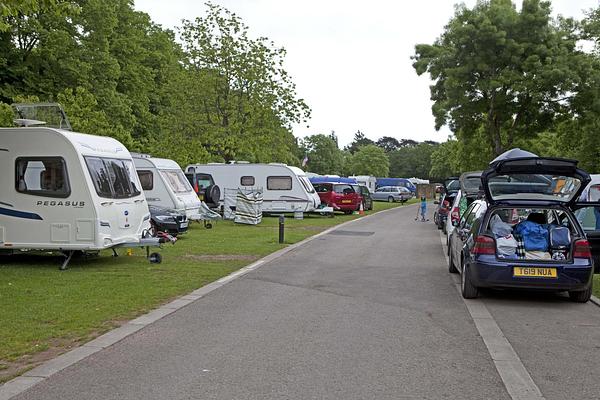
369,181
285,188
66,191
165,185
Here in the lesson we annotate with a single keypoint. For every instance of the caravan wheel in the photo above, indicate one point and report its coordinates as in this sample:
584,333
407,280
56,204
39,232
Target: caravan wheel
155,258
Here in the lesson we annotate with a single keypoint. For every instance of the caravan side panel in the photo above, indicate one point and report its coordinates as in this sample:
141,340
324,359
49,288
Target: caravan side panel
44,192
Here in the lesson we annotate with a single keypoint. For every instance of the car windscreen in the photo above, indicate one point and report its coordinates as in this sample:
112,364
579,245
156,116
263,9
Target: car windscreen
533,187
176,180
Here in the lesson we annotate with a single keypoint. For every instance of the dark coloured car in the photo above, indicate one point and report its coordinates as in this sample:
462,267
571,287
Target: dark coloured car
205,188
168,220
367,199
340,196
440,214
524,233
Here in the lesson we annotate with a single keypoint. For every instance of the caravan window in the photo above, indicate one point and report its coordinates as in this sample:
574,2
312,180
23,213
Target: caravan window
176,181
113,178
146,179
306,183
42,176
247,181
279,183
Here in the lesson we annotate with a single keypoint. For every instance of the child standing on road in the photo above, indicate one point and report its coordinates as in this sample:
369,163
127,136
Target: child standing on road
423,209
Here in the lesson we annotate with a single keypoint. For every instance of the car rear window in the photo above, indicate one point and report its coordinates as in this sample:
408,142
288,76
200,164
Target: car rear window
343,189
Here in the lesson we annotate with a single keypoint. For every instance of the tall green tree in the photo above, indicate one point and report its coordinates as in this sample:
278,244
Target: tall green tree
324,155
368,160
359,140
388,143
242,95
512,72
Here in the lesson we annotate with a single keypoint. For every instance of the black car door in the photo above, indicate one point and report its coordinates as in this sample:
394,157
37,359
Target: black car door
460,235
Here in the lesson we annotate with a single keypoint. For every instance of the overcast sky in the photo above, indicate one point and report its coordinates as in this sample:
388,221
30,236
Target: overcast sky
350,59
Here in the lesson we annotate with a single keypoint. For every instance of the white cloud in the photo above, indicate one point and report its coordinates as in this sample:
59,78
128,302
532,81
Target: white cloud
350,59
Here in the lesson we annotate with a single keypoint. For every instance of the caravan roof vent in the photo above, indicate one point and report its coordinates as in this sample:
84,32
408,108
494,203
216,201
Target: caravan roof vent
140,155
50,115
240,162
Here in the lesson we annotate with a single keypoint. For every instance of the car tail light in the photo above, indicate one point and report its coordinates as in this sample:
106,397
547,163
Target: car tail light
581,249
484,245
455,216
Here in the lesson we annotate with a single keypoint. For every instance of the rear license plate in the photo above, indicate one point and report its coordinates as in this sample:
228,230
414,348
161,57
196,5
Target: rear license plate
346,201
184,224
535,272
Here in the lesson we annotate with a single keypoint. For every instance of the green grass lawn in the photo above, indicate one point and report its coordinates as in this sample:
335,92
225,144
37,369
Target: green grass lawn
45,311
597,285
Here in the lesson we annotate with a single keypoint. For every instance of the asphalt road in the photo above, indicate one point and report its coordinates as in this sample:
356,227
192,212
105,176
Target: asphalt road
366,312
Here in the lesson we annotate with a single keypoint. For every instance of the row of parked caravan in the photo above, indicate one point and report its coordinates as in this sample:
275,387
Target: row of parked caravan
70,191
525,222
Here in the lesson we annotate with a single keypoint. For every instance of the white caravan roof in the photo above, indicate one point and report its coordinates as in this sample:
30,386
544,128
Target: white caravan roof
151,162
87,145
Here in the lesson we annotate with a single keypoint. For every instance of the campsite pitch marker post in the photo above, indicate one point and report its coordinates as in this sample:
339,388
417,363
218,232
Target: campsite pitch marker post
281,228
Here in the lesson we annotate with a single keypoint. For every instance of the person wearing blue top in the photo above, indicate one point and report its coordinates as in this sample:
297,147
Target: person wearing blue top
423,209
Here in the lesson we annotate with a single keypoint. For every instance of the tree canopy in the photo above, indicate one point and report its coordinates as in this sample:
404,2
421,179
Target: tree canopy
512,73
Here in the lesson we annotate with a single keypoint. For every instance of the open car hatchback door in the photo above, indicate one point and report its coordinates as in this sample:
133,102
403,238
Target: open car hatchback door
534,180
452,184
587,212
470,183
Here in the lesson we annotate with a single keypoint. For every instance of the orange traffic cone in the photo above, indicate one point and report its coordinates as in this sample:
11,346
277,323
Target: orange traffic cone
361,210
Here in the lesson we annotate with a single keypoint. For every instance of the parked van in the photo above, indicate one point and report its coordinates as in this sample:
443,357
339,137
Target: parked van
285,188
403,182
369,181
166,186
67,191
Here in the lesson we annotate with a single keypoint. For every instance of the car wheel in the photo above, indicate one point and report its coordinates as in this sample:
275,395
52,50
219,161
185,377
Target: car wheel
390,199
467,289
581,296
451,267
348,212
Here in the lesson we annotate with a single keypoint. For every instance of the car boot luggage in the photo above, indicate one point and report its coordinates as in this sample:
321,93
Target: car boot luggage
560,237
535,236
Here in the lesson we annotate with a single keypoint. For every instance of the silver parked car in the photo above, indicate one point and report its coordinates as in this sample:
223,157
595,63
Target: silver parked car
392,193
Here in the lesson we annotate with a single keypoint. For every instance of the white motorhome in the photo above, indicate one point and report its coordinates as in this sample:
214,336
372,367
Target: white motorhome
285,188
165,185
65,191
369,181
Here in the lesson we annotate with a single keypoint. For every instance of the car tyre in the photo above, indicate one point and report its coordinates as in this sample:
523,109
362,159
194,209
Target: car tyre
451,267
390,199
467,289
582,296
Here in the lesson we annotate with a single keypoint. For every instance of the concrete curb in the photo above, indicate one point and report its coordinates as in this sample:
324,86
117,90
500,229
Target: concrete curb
51,367
595,300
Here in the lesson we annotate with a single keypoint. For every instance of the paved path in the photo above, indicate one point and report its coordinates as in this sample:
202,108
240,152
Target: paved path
366,312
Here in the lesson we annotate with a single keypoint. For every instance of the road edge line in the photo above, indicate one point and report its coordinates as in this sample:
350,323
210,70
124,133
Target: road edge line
516,379
45,370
